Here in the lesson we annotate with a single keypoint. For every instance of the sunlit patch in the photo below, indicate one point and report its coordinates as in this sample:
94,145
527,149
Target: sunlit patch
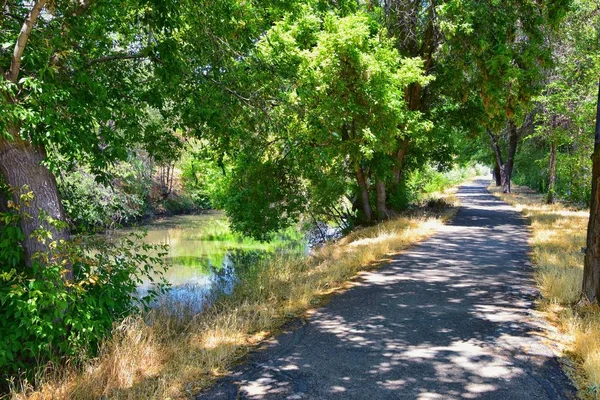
337,389
480,388
430,396
396,384
371,241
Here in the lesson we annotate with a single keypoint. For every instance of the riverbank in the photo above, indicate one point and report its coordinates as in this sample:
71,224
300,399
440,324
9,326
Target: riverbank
558,233
171,353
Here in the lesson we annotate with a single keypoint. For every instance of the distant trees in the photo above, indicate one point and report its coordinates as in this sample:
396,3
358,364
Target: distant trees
502,49
562,141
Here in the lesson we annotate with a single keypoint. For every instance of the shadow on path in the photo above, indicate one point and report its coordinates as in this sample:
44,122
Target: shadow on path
449,319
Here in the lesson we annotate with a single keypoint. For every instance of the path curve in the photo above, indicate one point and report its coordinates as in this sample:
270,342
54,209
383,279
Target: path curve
451,318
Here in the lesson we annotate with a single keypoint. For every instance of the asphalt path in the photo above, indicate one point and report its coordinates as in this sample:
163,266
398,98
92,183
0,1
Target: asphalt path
450,318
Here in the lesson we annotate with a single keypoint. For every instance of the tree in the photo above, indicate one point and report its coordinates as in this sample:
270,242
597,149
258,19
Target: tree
556,156
501,48
591,270
318,108
78,77
70,86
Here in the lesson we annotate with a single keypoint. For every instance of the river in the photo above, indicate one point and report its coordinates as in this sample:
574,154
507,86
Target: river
202,250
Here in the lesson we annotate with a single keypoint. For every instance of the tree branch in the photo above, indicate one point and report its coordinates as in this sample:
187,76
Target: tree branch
120,56
15,63
228,90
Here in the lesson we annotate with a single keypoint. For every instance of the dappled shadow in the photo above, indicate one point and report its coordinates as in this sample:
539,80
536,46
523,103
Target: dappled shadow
449,319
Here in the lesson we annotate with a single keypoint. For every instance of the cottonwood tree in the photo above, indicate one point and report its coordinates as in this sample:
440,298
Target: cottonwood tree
76,79
415,29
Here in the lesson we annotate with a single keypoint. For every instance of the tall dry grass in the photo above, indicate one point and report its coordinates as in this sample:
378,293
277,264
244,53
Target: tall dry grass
173,353
558,234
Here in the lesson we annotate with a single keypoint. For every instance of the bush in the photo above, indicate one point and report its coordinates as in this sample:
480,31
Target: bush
427,179
202,178
46,318
92,205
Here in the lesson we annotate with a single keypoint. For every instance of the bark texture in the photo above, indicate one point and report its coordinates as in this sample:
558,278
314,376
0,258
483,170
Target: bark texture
397,170
497,174
364,194
21,166
513,139
382,210
591,270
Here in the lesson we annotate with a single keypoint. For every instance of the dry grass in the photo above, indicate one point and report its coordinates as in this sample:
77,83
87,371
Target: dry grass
558,235
164,355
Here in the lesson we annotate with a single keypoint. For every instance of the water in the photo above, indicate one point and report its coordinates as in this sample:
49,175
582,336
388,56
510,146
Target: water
201,254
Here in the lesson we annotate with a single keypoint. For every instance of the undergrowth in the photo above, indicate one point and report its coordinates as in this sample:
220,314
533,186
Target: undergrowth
558,236
172,353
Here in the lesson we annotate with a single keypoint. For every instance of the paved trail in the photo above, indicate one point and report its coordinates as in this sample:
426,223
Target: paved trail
449,319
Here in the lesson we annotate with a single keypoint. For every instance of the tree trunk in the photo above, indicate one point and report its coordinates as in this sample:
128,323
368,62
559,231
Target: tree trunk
504,179
364,194
506,168
501,174
399,162
551,197
513,139
497,175
591,270
382,210
22,169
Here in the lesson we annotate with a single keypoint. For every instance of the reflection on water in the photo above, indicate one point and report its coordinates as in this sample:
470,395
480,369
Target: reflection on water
203,253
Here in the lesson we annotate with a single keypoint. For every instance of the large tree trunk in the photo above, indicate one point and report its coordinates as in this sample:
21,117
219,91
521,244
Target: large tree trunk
551,197
497,175
364,194
382,210
591,271
504,179
22,169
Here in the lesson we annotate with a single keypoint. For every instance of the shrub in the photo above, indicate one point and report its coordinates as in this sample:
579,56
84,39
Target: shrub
46,317
92,205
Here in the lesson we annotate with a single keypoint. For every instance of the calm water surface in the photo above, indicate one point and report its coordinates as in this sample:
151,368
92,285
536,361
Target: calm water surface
201,251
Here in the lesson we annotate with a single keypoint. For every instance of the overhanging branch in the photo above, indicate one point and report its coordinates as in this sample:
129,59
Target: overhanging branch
15,63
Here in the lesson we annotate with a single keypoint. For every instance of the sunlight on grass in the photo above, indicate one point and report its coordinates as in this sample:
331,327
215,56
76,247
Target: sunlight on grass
173,354
557,237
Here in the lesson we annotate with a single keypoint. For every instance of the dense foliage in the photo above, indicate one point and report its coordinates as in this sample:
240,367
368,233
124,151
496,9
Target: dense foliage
46,317
556,156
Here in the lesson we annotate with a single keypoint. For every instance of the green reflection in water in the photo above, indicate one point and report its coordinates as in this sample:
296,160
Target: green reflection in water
198,243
